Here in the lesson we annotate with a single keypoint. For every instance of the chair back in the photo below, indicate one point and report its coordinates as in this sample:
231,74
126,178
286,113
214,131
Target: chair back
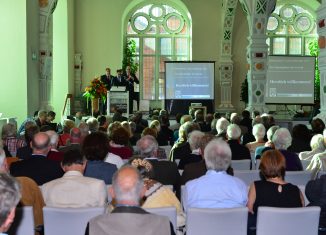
298,177
230,221
67,221
170,212
284,221
302,189
305,164
24,222
241,164
247,176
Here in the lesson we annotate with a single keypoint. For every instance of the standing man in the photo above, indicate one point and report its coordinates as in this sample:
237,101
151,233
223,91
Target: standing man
107,79
119,80
133,95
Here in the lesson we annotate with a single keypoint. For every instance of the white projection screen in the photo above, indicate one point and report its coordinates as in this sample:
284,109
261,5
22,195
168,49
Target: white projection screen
290,80
190,80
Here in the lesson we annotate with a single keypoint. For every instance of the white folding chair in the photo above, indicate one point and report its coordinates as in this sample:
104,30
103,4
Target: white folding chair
285,221
67,221
302,189
247,176
298,177
230,221
257,164
24,222
241,164
170,212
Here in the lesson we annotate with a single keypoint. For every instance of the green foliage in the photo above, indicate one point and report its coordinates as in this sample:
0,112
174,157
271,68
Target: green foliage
129,53
244,91
314,51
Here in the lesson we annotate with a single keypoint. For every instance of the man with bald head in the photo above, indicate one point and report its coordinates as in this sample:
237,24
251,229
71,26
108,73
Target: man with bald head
38,167
128,218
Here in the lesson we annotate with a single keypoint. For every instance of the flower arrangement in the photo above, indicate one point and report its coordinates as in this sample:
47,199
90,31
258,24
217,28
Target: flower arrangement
95,90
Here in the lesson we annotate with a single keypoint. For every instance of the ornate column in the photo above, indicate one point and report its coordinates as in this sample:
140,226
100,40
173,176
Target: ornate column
47,7
226,64
321,29
258,12
78,83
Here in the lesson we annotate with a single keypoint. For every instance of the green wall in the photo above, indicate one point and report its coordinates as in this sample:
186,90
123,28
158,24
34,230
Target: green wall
13,59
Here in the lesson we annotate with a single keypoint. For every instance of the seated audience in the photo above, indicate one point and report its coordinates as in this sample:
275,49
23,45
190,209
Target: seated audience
75,140
221,127
317,126
9,198
10,140
200,119
64,138
54,154
317,145
165,172
73,189
134,137
157,195
269,144
161,139
153,132
26,151
239,152
84,131
301,137
103,123
95,148
128,218
282,140
236,119
216,189
246,120
93,124
41,118
165,133
272,190
38,167
119,143
177,124
258,132
181,147
194,140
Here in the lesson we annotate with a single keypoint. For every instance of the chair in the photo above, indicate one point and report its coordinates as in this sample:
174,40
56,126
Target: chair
247,176
67,221
305,163
298,177
302,189
24,222
170,212
167,149
285,221
257,164
207,221
241,164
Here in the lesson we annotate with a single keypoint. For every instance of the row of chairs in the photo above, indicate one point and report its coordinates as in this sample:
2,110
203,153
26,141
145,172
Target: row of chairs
231,221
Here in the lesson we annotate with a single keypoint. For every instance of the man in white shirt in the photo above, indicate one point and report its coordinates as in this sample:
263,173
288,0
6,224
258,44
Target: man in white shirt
73,189
216,189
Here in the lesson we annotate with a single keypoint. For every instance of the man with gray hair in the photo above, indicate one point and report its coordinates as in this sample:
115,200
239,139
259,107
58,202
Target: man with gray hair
54,154
216,189
165,172
239,152
9,198
128,217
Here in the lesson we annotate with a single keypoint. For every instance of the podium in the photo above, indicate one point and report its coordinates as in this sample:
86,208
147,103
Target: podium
118,98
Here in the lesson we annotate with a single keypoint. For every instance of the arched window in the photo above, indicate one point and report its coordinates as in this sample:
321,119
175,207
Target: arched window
290,28
162,33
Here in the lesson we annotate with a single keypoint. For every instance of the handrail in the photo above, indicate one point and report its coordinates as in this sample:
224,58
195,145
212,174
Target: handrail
68,96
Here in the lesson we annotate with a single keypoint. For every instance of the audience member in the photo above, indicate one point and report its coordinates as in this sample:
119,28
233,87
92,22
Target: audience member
128,218
134,137
282,140
38,167
272,191
26,151
41,118
84,131
64,138
10,140
165,133
216,189
177,124
246,120
103,123
50,117
200,119
258,132
75,140
317,145
119,143
269,144
73,189
95,148
317,126
153,132
54,154
93,124
239,152
301,137
221,127
194,140
9,198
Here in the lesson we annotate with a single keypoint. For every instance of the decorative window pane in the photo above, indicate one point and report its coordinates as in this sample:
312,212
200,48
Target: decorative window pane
279,46
295,46
163,27
272,23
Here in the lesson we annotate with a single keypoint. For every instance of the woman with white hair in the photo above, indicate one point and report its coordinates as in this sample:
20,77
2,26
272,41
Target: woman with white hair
282,140
258,132
221,127
317,146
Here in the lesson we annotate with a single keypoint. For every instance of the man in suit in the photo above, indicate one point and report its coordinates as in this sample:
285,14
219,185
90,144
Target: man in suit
38,167
107,79
239,152
119,80
165,172
128,217
133,95
79,190
9,198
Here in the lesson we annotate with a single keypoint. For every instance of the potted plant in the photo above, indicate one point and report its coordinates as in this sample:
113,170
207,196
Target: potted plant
95,91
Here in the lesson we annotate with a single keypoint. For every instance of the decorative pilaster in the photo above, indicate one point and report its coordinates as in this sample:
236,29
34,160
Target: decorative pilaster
78,83
258,12
226,64
47,7
321,29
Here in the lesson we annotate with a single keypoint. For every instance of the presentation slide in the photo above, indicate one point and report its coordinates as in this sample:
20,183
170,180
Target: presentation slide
290,80
189,80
